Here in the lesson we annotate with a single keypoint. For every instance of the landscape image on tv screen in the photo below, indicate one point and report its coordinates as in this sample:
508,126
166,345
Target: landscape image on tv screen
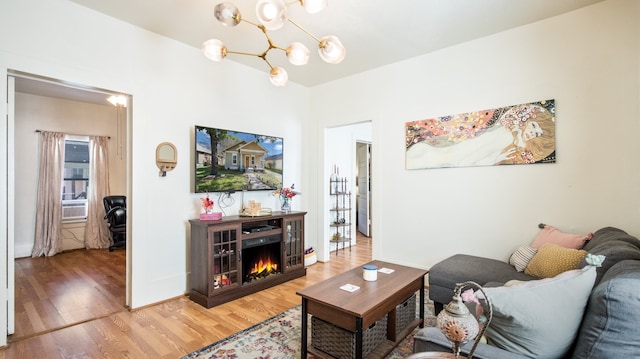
229,161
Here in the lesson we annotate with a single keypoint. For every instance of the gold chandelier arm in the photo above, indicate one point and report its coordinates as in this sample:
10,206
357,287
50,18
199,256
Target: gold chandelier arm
268,63
251,22
244,53
271,16
269,41
262,55
303,29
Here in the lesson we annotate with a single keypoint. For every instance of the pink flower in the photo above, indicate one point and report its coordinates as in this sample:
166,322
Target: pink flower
207,204
286,192
469,296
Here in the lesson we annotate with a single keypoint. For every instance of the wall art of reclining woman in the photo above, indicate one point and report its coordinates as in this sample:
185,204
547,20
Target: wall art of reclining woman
519,134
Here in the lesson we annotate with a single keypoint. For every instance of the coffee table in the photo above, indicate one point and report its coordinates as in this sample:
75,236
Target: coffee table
359,309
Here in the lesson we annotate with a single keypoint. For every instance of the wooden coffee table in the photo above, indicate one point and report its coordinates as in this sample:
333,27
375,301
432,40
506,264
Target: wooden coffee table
356,310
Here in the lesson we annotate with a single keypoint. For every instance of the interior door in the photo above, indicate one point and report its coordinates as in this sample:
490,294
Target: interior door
363,155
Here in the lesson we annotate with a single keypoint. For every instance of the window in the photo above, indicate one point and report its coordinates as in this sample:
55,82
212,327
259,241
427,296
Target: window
234,159
75,181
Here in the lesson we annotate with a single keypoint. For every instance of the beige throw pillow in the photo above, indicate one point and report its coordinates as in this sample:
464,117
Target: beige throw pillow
553,259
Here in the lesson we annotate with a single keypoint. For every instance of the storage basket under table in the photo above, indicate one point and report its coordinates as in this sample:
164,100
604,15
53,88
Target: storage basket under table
405,314
341,343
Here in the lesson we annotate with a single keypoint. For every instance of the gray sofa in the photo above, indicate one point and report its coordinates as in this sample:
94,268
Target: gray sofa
609,328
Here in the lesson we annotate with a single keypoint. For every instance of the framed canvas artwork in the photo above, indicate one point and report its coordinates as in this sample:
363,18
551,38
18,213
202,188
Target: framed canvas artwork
518,134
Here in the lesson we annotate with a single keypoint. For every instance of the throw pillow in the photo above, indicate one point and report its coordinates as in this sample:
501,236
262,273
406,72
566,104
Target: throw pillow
552,260
550,234
540,318
521,257
610,327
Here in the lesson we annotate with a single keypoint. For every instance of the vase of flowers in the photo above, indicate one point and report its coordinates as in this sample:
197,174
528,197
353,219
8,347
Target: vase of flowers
207,204
286,195
285,204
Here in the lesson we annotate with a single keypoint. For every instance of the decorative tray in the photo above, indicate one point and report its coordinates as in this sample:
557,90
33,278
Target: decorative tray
263,213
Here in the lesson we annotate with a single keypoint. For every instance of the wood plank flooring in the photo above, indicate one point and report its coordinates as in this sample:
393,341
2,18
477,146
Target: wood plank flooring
73,307
66,289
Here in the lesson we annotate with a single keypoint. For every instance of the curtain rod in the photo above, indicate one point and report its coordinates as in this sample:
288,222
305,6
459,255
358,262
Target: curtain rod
71,134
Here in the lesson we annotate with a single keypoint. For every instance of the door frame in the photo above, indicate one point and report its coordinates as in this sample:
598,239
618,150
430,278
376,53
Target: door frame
360,144
8,221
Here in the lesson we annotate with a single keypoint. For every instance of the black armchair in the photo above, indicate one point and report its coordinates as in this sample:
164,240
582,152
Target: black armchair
116,209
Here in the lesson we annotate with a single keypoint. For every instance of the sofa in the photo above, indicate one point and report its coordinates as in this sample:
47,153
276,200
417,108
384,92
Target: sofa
591,311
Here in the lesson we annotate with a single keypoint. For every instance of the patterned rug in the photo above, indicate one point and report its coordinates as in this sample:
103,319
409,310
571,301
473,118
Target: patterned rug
279,338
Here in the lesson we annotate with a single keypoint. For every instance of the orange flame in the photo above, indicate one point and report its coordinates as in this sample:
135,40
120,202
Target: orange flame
264,265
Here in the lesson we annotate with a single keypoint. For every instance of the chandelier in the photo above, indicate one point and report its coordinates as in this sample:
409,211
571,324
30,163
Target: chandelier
272,15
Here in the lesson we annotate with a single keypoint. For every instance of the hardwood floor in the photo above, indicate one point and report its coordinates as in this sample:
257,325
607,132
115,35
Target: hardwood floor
83,315
67,289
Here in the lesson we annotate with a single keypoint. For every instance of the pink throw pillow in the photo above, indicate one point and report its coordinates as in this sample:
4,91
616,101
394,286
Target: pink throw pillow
551,234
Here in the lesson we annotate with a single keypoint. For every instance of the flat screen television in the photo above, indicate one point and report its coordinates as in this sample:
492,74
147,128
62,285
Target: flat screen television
230,161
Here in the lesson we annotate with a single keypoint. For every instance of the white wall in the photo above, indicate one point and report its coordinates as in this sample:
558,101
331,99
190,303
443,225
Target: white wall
586,60
173,88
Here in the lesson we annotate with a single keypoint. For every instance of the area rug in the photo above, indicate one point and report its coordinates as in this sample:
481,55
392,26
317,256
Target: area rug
279,338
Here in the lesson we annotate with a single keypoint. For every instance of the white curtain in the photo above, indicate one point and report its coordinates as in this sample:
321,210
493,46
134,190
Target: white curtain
49,204
97,232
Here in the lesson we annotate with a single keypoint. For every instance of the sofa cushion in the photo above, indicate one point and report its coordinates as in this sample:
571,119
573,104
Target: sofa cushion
540,318
553,259
610,325
431,339
459,268
521,257
606,234
550,234
615,244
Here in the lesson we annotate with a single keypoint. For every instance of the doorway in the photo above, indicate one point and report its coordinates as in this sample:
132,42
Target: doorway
40,103
363,188
341,147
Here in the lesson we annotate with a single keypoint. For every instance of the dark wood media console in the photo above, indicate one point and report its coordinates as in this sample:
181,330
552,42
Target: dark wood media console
236,256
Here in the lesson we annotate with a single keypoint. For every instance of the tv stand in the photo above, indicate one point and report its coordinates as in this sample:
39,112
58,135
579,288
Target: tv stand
218,249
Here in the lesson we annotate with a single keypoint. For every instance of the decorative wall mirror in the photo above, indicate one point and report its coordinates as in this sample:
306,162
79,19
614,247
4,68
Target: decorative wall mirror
166,157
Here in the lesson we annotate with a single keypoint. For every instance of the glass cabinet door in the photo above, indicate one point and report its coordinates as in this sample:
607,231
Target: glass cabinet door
224,258
293,251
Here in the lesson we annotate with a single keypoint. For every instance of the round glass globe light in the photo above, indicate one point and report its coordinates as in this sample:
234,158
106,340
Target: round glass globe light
271,13
314,6
214,50
227,13
331,49
278,77
297,53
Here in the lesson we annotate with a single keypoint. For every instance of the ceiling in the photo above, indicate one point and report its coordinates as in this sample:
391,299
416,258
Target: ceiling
56,89
375,32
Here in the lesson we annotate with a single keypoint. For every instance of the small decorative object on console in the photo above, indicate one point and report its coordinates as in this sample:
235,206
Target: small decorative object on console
286,195
207,207
255,210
